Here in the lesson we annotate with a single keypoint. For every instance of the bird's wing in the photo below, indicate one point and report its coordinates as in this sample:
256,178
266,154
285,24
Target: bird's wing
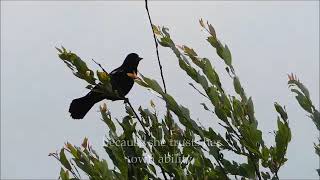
120,81
116,71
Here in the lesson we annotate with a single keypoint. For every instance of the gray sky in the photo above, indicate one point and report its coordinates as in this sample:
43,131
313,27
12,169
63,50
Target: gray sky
267,41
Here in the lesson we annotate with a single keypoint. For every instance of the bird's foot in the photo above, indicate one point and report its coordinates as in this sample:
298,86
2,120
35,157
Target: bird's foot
126,100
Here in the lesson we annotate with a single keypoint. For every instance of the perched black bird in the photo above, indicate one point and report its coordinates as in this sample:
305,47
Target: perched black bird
120,82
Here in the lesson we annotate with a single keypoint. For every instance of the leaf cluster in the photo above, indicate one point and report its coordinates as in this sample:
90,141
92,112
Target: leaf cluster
303,98
99,81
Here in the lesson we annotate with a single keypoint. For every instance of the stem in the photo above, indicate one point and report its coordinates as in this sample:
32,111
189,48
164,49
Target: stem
79,177
100,66
73,173
127,101
156,44
255,165
160,66
163,172
199,91
276,175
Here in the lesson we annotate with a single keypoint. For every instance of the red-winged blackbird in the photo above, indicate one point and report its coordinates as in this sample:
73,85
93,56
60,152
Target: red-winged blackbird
120,81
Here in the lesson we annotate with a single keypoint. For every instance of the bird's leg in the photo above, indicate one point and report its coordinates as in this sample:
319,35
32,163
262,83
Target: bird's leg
126,100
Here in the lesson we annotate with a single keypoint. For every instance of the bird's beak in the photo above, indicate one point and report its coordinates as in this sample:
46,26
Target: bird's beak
140,58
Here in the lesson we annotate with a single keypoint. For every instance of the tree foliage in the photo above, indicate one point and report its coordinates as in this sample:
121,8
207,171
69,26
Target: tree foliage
175,145
303,98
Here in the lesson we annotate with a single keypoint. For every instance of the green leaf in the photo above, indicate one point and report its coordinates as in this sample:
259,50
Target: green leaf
303,89
156,30
212,31
103,77
64,175
117,156
202,80
78,66
189,51
252,137
214,151
64,161
106,117
182,113
265,153
153,85
72,150
194,74
304,103
250,110
145,114
227,56
152,168
281,111
232,168
166,42
221,114
210,73
59,50
316,118
105,172
201,22
237,86
213,41
247,170
283,137
213,94
223,52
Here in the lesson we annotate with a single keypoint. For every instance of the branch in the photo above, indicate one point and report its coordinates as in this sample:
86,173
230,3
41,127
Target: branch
157,51
79,177
100,66
276,175
199,91
163,172
160,67
127,101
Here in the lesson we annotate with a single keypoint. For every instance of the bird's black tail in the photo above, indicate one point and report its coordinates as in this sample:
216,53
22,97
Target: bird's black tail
80,107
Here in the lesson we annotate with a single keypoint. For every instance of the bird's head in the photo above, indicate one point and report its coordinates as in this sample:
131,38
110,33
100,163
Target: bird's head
132,61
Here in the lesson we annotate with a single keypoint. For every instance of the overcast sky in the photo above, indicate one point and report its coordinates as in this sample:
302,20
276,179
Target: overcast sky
267,41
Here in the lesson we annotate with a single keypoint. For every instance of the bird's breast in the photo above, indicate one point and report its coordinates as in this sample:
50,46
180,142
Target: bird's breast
122,83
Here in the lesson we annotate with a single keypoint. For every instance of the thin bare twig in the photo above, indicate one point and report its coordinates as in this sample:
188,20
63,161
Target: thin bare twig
100,66
127,101
199,91
160,66
79,177
157,45
163,172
